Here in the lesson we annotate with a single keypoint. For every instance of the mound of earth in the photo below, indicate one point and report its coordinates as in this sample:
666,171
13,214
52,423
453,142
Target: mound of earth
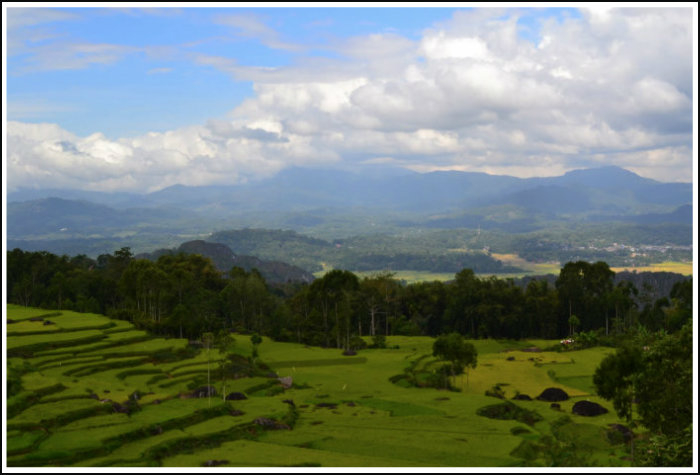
553,395
522,397
588,408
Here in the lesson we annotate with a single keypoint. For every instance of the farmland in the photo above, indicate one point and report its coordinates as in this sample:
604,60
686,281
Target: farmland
85,390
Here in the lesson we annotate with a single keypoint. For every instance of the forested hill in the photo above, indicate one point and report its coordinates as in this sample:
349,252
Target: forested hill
651,286
357,253
224,259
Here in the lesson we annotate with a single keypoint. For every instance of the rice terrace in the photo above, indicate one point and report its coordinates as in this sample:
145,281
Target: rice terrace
90,391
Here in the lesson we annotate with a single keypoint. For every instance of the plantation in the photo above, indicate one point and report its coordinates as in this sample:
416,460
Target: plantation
90,391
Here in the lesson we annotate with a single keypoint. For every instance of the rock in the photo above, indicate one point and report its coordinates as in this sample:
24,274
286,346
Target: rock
556,406
236,413
94,396
235,397
286,382
588,408
510,358
48,322
522,397
553,395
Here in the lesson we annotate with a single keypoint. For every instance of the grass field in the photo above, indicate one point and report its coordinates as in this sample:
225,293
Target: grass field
341,411
685,268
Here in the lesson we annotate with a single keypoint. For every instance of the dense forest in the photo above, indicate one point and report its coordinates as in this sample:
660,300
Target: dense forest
185,295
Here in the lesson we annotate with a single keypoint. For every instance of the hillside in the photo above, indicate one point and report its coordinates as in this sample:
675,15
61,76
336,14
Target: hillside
225,259
87,391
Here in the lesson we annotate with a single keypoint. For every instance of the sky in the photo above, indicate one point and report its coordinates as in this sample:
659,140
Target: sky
138,99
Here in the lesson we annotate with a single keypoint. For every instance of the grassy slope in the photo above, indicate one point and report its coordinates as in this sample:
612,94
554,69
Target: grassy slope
366,421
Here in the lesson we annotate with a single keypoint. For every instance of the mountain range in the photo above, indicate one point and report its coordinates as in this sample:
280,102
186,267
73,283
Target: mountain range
307,198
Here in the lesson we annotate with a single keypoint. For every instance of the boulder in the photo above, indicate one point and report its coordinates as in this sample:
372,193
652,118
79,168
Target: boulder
553,395
588,408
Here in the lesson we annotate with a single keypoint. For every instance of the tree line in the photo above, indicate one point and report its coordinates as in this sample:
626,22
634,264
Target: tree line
184,295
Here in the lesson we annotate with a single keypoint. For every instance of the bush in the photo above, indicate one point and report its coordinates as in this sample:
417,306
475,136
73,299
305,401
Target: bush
508,411
357,343
379,341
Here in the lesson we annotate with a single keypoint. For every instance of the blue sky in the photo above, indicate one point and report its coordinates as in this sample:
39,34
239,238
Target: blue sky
198,94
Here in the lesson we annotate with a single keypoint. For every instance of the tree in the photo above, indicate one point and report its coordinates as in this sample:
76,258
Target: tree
224,343
255,339
659,376
616,377
665,383
584,289
573,323
457,351
208,339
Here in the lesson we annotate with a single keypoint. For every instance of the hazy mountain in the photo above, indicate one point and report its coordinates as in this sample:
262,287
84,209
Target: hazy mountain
303,198
48,216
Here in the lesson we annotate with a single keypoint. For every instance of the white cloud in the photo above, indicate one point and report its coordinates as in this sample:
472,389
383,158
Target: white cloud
612,87
249,26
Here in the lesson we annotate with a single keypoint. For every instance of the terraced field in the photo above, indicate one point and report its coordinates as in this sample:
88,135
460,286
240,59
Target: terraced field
85,390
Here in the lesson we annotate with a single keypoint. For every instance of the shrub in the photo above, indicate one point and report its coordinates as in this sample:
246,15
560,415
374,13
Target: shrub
379,341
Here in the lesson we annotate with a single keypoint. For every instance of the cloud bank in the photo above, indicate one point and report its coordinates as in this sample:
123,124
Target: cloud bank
611,87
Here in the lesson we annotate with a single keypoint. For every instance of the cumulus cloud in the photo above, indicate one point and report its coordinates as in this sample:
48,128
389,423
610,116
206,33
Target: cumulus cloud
610,87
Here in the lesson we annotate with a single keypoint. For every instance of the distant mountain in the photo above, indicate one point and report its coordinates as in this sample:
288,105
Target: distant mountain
303,198
72,218
225,259
681,215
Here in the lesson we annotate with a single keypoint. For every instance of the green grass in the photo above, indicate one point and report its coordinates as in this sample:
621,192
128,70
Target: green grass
348,412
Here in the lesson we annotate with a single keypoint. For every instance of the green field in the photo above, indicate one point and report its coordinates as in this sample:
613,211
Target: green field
341,411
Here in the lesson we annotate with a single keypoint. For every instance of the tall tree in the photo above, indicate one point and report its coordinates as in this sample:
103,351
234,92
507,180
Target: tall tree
459,353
